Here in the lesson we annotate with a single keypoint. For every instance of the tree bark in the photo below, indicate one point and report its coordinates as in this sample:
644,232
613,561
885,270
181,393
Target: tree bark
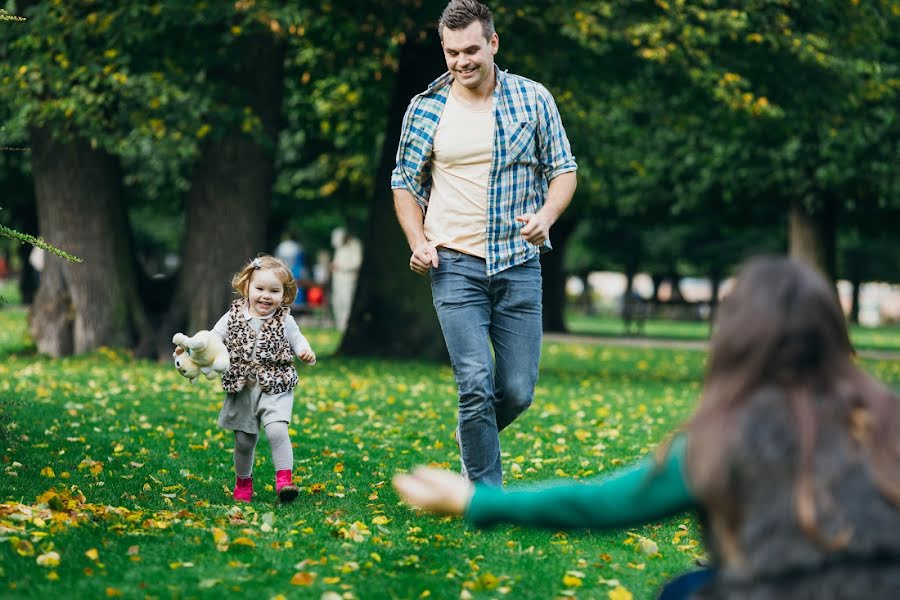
393,314
854,305
228,204
77,190
52,314
554,277
813,235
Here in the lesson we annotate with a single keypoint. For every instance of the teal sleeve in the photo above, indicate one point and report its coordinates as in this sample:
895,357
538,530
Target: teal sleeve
644,492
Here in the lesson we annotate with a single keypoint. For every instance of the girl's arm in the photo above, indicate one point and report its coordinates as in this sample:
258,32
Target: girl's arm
299,344
221,327
638,494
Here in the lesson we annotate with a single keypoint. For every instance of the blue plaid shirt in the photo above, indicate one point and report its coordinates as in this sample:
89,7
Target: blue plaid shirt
530,149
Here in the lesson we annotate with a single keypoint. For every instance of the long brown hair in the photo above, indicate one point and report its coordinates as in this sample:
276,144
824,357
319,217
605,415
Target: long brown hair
782,326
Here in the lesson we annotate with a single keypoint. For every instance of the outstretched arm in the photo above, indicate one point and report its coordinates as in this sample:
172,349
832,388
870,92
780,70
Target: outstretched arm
638,494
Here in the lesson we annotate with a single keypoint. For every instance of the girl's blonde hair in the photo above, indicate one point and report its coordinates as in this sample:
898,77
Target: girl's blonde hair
241,280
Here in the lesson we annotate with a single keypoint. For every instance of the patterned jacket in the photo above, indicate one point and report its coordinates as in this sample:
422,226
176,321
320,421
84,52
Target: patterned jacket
774,558
273,363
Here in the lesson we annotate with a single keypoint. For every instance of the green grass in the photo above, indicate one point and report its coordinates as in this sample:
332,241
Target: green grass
156,518
9,293
883,338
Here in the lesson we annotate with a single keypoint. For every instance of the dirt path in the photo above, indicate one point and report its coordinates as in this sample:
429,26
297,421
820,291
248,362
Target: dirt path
644,342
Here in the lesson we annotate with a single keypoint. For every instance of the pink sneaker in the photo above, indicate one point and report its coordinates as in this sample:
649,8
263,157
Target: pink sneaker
243,489
284,486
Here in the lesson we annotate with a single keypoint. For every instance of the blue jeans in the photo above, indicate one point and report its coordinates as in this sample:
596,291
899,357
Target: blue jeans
477,312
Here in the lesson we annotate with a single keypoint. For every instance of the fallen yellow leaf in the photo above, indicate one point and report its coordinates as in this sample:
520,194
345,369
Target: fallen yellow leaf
49,559
619,593
303,578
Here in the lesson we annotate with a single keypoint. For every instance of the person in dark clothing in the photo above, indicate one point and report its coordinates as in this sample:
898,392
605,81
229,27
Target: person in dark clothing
792,459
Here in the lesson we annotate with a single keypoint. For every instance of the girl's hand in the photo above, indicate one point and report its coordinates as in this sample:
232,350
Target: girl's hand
307,356
435,490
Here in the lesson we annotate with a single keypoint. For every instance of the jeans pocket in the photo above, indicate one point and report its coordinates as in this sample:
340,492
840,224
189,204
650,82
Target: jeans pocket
448,255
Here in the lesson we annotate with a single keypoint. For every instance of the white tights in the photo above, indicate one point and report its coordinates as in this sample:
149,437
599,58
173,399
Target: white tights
279,441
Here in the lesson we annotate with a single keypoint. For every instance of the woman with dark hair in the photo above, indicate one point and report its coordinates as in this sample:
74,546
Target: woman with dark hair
792,459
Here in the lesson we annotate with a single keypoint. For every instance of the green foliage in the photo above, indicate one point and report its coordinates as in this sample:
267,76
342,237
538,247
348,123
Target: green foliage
38,242
5,16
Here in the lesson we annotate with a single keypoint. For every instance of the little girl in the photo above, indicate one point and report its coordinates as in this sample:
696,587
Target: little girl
262,339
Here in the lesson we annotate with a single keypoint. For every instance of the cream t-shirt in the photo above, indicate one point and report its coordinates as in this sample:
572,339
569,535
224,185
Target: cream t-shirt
460,172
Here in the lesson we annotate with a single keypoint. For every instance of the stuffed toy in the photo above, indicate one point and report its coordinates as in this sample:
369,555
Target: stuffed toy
203,353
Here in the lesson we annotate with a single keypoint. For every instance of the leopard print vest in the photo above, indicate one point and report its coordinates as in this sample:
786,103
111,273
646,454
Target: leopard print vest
273,365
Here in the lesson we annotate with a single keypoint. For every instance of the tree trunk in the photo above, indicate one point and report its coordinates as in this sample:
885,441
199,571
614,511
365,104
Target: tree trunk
228,203
657,283
554,277
80,209
393,314
813,235
854,304
27,275
715,284
52,315
23,216
587,294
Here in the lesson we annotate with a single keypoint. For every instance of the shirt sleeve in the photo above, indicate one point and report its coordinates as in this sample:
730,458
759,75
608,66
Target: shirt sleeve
297,340
555,152
412,169
397,179
221,327
645,492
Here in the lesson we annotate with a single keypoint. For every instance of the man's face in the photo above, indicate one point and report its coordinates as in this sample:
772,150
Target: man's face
469,55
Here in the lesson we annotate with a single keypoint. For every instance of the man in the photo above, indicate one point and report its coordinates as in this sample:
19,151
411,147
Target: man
483,171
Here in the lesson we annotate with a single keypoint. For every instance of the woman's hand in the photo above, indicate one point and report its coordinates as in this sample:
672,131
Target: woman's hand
435,490
307,356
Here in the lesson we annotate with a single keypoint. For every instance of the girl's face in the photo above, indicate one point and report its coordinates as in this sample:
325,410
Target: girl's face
265,293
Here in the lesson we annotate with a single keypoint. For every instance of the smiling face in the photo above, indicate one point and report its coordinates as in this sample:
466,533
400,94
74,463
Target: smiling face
470,56
265,292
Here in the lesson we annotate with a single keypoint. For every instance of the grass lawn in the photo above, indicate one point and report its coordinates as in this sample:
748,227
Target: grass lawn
116,480
886,337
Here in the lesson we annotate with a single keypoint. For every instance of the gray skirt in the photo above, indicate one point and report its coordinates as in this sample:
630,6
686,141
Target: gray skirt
251,407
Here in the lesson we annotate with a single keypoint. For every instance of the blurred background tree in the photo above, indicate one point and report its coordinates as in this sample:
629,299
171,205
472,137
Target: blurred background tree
704,131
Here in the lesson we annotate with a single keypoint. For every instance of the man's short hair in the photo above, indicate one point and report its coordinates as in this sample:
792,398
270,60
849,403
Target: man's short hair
459,14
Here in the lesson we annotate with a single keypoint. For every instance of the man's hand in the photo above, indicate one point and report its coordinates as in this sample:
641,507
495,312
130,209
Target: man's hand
423,258
537,228
435,490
